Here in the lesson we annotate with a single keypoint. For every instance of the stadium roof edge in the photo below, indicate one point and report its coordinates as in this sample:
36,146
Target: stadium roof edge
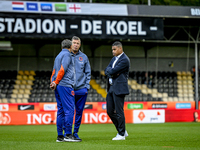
164,11
103,9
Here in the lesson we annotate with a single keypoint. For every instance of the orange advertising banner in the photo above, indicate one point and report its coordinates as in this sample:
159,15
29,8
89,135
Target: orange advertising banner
14,107
36,118
96,117
171,105
27,118
199,105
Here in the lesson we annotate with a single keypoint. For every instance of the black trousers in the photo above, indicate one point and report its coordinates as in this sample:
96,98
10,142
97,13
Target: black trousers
115,110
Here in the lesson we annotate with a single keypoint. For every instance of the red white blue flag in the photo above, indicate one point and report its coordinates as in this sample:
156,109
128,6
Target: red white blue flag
17,5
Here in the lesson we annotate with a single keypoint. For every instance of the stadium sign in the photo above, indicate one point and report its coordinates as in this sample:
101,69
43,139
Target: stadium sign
183,105
135,106
4,107
195,11
97,117
4,118
25,107
39,118
164,105
149,116
85,27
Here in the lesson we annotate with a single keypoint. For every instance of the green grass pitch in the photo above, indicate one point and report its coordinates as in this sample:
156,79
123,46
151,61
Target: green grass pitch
177,136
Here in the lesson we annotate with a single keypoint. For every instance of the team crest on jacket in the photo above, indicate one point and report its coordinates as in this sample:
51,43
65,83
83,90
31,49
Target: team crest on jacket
81,58
72,92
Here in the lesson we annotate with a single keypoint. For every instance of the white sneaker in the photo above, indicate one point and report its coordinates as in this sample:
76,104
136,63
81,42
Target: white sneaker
119,137
125,134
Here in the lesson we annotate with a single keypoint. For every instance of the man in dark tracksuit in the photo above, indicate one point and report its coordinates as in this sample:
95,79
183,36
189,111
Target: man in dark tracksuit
62,81
83,76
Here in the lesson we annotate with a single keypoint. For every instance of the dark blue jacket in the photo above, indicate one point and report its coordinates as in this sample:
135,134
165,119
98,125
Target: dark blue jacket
119,74
83,71
63,70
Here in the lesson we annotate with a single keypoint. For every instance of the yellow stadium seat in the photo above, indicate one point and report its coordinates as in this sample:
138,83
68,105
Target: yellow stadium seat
154,95
26,96
92,81
179,77
102,73
188,73
17,81
19,100
20,72
12,100
144,86
139,86
22,86
149,91
15,91
184,78
26,72
165,99
176,99
13,95
21,91
180,99
129,82
165,95
179,82
178,73
183,73
144,91
95,86
32,73
133,82
4,100
25,77
134,87
23,82
29,82
154,91
159,95
170,99
31,78
190,99
20,95
16,86
19,77
24,100
28,87
27,91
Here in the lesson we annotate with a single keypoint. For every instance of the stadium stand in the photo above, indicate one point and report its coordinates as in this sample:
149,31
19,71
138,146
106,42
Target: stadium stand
33,86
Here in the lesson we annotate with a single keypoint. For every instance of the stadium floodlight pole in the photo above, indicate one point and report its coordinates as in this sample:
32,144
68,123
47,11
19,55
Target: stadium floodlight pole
149,2
196,76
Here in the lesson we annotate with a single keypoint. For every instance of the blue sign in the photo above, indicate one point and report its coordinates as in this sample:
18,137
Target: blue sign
32,6
183,105
46,7
104,106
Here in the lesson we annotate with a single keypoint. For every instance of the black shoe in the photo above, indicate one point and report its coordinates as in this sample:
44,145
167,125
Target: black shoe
60,139
70,138
76,137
